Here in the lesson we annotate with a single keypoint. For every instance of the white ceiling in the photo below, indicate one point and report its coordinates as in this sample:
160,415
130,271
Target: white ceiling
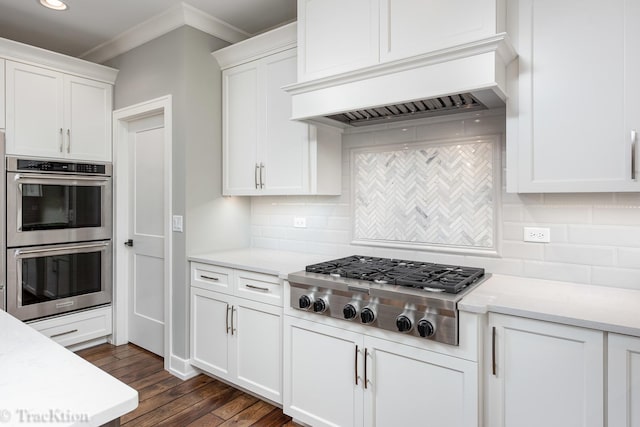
90,23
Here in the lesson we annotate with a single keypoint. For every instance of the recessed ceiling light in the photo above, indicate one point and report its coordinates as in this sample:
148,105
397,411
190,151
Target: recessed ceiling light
54,4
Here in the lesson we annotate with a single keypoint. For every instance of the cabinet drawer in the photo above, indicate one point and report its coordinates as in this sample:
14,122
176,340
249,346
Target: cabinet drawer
211,277
259,287
77,327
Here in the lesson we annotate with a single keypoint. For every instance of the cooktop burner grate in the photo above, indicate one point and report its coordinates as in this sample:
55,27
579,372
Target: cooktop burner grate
413,274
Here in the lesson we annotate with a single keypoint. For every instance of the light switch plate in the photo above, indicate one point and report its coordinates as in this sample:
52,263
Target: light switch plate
177,223
300,222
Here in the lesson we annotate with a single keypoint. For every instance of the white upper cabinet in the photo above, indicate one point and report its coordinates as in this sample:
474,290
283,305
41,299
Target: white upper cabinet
573,116
264,151
88,110
2,122
34,111
337,36
51,114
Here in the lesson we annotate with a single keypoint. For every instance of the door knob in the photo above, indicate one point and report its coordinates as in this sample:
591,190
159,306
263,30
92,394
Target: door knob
129,242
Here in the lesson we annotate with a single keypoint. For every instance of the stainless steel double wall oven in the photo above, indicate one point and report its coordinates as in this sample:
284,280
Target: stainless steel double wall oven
58,236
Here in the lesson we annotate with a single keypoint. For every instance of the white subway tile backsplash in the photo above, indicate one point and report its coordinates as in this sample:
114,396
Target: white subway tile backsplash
616,277
522,250
627,215
511,213
595,238
575,254
558,271
604,235
557,214
628,257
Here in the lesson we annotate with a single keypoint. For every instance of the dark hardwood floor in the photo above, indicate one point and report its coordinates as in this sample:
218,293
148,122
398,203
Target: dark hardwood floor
168,401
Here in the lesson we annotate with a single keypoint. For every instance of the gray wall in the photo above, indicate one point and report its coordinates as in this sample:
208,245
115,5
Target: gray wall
180,64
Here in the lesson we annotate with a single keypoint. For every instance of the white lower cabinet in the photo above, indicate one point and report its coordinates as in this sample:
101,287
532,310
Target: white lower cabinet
623,390
544,374
337,377
238,340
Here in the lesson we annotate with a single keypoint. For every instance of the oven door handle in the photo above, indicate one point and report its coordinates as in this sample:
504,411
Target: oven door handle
21,252
45,179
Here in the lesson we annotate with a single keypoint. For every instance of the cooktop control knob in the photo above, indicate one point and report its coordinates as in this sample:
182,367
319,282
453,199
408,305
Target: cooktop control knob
403,323
367,315
319,305
349,311
426,328
304,302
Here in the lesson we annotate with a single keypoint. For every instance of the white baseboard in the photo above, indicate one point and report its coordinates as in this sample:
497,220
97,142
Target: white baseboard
181,368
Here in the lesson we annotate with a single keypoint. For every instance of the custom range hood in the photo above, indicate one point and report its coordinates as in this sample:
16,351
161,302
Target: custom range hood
460,79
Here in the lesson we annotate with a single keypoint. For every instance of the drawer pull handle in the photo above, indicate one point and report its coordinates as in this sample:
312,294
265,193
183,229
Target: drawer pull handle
258,288
215,279
64,333
366,354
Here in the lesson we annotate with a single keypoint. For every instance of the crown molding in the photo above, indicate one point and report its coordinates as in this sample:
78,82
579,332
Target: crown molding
161,24
32,55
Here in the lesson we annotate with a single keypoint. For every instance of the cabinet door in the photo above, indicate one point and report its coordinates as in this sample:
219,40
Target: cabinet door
2,99
413,27
241,115
624,381
210,332
408,386
577,82
34,111
336,36
88,106
257,348
546,374
285,148
321,366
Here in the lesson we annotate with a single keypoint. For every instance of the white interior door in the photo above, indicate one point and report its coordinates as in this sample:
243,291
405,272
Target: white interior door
147,232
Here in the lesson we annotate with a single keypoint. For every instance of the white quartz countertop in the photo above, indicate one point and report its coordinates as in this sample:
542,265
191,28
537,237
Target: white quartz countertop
596,307
44,384
277,263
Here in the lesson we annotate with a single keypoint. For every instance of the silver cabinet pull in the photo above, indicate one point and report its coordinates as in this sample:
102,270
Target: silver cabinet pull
366,354
227,319
255,175
61,140
232,328
68,140
258,288
262,180
215,279
493,351
64,333
356,364
634,153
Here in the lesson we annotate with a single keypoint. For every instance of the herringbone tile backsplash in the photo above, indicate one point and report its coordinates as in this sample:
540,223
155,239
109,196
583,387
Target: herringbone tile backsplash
425,194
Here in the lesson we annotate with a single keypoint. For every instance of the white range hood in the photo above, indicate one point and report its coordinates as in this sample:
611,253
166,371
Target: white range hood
462,78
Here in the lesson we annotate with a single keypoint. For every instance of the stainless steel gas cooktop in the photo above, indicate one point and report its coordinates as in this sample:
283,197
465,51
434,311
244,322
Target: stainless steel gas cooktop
411,297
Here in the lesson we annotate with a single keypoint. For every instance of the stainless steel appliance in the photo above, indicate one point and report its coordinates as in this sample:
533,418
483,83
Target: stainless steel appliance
3,270
410,297
58,236
49,280
54,201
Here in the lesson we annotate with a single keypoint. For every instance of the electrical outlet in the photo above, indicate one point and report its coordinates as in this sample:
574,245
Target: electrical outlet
537,234
300,222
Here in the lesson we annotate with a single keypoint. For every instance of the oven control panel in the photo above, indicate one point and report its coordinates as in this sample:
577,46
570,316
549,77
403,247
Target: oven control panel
32,165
